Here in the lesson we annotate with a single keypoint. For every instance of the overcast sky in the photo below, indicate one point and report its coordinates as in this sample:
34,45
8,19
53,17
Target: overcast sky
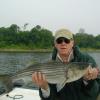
52,14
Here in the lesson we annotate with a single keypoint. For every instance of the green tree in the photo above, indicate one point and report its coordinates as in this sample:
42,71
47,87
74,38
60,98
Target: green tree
85,40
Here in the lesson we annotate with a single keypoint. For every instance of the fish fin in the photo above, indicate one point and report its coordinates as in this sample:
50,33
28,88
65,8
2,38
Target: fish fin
63,84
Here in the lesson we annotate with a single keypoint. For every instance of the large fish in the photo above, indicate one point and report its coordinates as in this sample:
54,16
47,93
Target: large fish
55,73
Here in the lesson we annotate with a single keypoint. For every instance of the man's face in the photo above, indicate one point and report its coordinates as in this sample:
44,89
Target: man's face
64,45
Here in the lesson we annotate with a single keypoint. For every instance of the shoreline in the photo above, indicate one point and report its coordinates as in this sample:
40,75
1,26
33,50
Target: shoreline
89,50
26,50
43,50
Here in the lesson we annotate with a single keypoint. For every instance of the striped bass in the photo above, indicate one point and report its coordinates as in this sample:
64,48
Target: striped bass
55,73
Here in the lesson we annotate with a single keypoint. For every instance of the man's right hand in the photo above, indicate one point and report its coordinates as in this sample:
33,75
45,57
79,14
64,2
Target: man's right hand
40,80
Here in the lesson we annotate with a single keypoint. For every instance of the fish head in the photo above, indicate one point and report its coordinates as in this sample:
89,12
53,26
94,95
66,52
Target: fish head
75,71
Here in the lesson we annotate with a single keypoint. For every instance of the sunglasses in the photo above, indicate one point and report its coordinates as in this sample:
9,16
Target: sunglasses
62,39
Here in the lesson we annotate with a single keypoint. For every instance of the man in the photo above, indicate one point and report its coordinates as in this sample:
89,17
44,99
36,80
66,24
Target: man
86,88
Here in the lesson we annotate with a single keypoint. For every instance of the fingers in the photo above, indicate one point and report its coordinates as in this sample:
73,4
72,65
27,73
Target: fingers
94,73
91,74
37,76
40,79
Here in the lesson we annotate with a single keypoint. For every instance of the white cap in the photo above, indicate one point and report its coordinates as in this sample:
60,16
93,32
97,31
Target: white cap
64,33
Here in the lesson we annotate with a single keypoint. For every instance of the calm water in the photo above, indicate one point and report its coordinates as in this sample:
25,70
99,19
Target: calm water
12,62
96,56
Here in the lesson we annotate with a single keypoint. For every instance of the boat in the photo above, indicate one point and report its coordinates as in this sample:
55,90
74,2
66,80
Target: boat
21,94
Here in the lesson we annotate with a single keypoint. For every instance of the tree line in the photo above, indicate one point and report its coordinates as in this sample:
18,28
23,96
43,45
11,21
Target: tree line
40,38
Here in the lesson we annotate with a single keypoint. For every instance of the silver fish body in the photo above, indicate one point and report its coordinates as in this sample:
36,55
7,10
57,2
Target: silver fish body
55,72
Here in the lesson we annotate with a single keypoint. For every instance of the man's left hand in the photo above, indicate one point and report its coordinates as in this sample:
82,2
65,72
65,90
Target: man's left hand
91,74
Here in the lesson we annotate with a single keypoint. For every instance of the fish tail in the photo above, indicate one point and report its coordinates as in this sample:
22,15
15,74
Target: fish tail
6,84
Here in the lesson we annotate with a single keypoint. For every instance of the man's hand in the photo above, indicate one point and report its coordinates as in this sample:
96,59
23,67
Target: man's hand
40,80
91,74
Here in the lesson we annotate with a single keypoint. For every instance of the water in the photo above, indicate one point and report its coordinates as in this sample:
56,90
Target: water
12,62
96,56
